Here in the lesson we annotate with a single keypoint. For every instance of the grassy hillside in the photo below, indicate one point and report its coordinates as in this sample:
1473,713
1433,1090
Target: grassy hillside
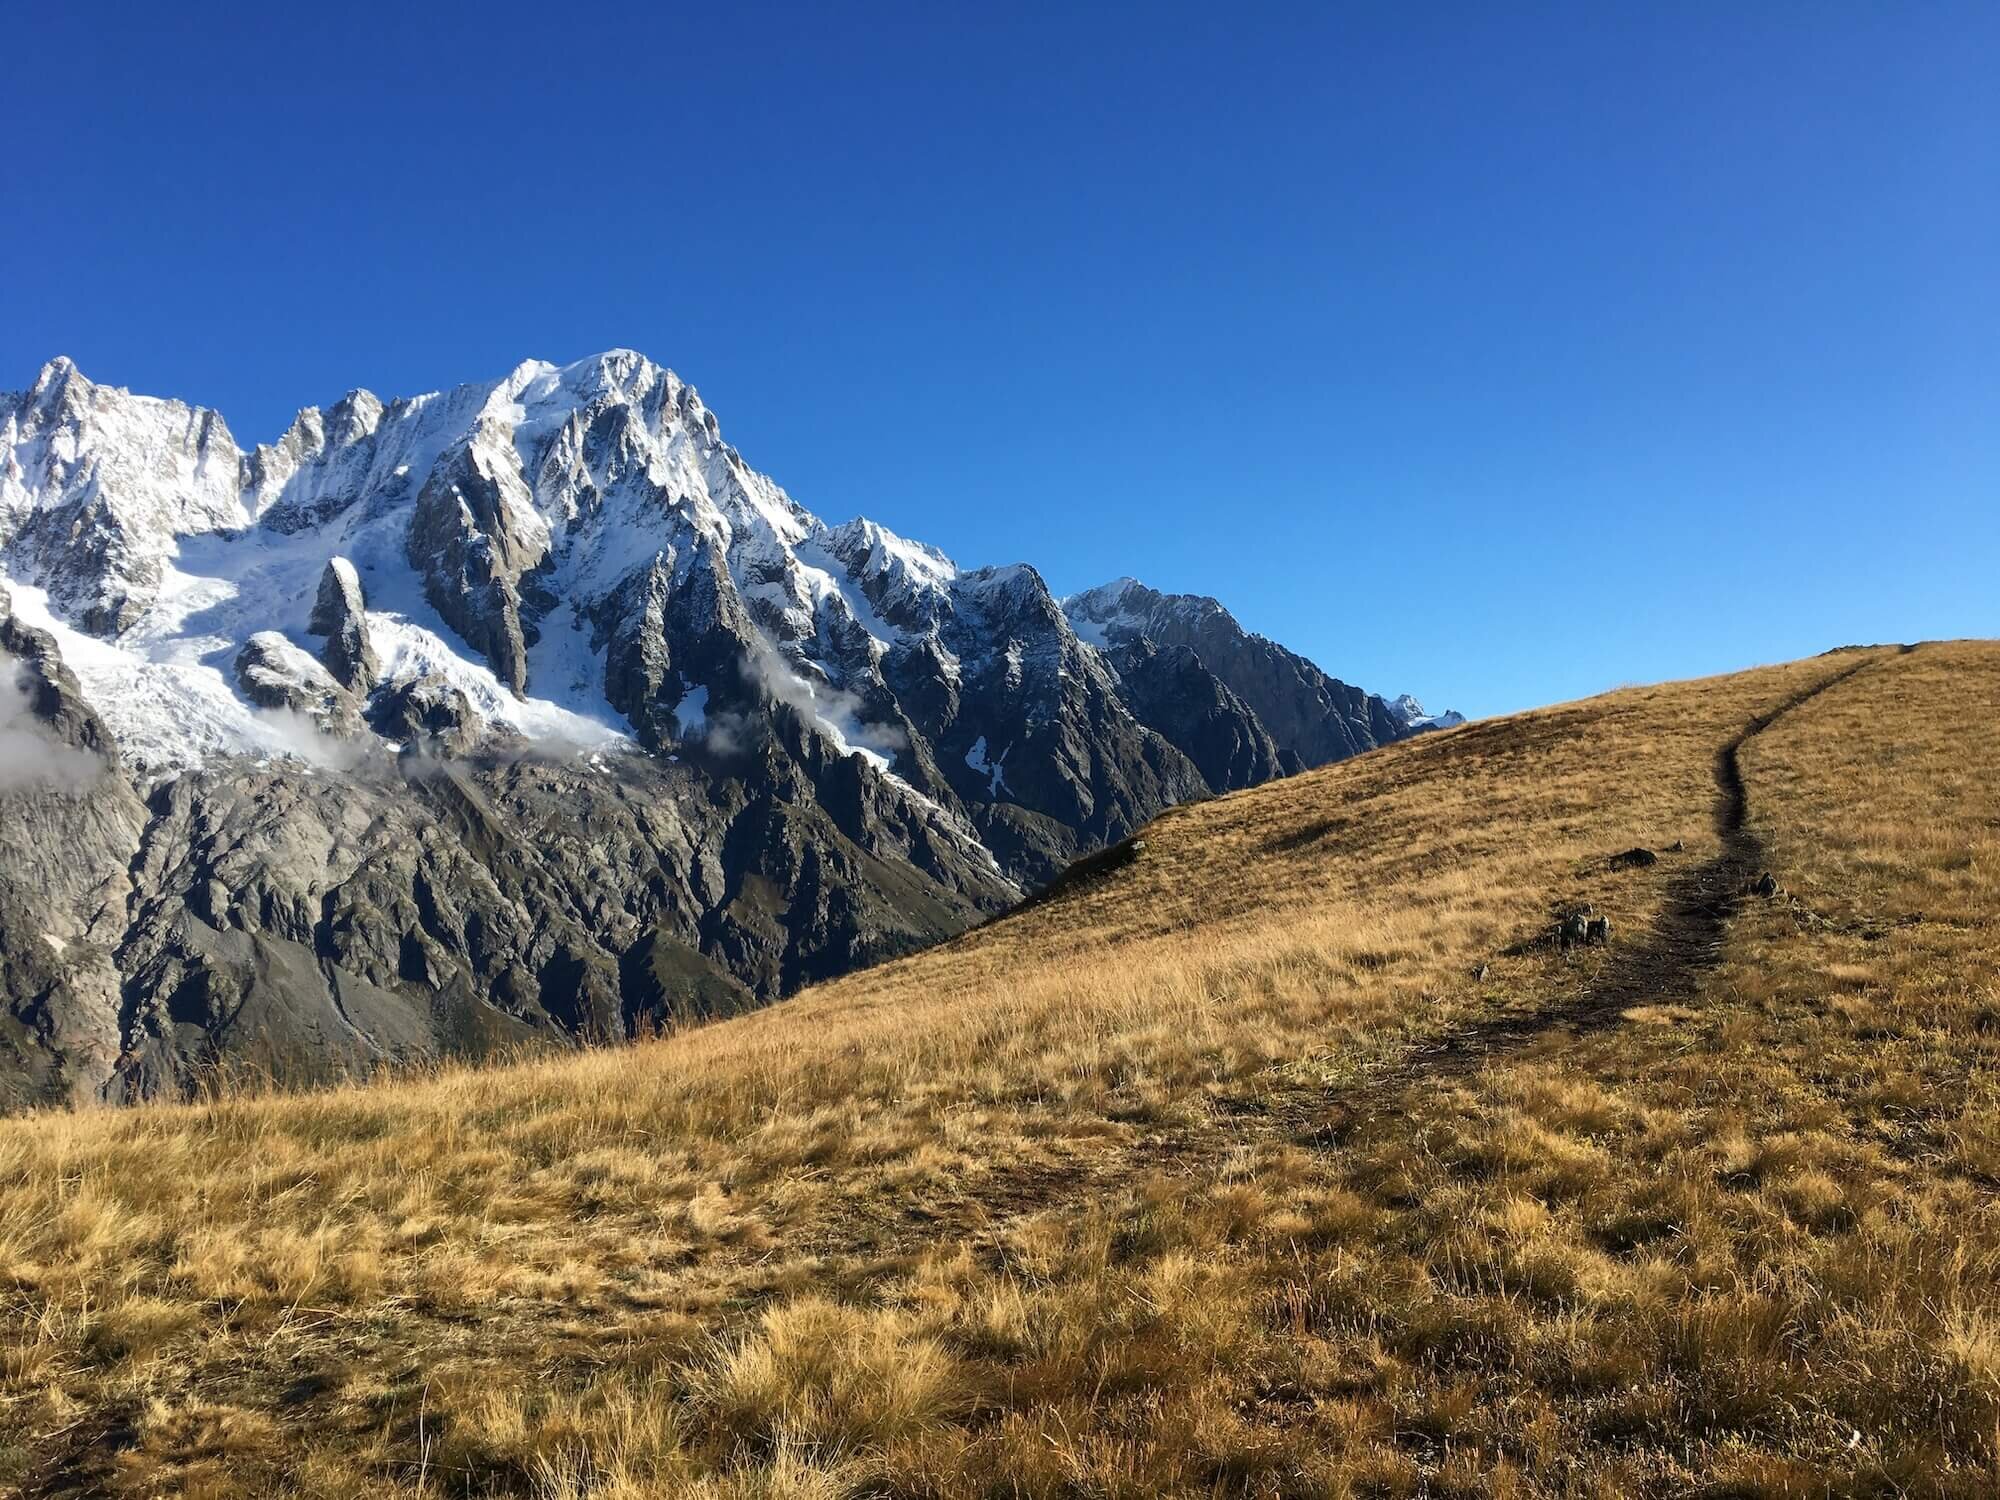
1289,1158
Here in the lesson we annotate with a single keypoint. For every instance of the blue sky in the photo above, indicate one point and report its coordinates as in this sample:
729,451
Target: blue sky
1498,353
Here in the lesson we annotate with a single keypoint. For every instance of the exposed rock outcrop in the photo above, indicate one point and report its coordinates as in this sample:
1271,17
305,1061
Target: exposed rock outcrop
1308,715
340,613
472,543
274,674
69,826
428,716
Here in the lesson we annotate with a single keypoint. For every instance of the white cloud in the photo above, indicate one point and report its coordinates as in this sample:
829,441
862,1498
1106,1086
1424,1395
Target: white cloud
29,757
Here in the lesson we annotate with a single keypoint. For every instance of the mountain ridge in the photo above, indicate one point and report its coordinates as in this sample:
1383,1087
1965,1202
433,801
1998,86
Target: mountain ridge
564,588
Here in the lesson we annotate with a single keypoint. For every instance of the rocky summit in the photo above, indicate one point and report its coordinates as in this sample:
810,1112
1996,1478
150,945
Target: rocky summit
528,711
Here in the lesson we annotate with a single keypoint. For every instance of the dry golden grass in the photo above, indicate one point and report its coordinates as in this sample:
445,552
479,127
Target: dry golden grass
1187,1183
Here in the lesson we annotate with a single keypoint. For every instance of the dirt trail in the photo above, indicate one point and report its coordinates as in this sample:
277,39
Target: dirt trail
1666,961
1669,959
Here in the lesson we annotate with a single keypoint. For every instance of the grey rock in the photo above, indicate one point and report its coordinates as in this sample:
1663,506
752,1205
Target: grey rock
1170,690
1309,716
316,927
51,693
274,674
428,716
69,823
465,539
340,614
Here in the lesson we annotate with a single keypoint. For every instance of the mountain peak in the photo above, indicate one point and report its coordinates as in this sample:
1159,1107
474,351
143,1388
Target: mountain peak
1410,713
1105,596
59,386
57,370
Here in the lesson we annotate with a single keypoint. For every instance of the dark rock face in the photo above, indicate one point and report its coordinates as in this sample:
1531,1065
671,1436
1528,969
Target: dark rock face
1309,717
340,613
472,544
273,673
1054,738
672,628
51,692
428,717
1171,690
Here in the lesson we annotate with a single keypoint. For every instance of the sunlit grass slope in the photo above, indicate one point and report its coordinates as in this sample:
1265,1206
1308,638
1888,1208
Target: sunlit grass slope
1278,1161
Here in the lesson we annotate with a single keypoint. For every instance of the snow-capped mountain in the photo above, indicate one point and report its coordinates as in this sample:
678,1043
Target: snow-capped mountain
1311,718
1411,714
484,617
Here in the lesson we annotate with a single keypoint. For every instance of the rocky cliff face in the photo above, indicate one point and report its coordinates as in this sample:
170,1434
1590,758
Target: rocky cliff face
69,824
528,711
1314,717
